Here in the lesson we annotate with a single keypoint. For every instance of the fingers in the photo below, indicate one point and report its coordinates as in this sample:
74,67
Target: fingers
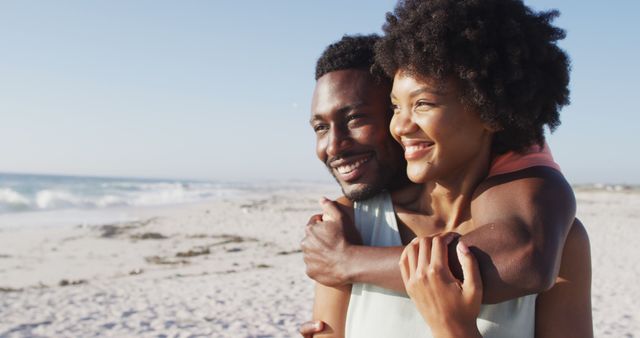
427,256
439,255
472,284
415,258
314,219
422,257
308,233
412,258
309,236
424,254
310,244
330,210
308,329
404,265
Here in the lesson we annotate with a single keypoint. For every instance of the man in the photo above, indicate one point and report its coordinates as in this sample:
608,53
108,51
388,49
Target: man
350,116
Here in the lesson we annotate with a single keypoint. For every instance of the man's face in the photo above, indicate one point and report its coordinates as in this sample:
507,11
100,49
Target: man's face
350,116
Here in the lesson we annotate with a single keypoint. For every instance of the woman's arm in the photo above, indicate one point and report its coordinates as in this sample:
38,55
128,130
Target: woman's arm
565,310
330,307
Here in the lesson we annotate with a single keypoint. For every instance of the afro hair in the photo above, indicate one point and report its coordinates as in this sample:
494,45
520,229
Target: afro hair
502,55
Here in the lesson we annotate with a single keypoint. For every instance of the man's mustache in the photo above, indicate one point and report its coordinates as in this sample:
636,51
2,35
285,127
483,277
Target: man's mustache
342,156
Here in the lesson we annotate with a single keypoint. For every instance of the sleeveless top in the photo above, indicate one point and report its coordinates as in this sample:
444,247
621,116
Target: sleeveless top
377,312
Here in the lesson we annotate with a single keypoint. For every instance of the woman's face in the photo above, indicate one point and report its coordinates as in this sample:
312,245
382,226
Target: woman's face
440,137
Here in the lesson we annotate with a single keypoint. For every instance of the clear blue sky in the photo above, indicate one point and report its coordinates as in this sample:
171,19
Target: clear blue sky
221,89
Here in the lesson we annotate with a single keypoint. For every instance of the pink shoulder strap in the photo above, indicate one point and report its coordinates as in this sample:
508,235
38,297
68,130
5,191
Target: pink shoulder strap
532,157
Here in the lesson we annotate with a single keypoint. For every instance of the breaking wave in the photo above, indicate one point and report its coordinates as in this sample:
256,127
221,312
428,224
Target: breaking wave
33,192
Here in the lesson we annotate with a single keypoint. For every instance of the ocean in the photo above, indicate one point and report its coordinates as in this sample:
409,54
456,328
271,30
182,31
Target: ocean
25,192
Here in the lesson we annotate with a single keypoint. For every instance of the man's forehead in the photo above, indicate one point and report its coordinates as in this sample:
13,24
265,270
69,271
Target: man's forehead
339,89
343,82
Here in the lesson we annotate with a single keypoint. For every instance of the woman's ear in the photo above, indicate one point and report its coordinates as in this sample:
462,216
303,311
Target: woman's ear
493,127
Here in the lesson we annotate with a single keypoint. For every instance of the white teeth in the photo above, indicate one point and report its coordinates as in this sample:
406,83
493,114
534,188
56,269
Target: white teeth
347,168
411,149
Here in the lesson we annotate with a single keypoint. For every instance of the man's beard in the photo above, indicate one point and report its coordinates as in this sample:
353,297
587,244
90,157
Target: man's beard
368,191
363,193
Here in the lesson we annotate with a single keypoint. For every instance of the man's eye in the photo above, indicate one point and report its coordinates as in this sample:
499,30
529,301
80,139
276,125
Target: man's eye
354,117
318,128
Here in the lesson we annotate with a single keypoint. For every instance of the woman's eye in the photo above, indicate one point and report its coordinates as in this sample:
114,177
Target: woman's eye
424,105
394,108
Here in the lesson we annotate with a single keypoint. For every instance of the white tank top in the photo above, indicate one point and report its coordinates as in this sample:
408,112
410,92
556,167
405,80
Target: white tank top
378,312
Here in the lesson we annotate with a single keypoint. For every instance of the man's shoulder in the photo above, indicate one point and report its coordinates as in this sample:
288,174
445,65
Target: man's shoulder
521,192
539,179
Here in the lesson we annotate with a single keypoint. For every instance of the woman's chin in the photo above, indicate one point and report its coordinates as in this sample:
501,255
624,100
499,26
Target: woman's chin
417,175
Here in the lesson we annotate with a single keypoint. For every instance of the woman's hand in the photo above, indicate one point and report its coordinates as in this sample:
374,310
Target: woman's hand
449,306
310,328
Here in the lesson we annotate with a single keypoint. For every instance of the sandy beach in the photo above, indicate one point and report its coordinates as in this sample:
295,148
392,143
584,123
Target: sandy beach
231,267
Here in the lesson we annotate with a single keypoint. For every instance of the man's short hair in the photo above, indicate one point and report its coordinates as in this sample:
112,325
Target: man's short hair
351,52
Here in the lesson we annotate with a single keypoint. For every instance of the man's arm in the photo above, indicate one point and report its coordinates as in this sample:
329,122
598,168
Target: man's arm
526,217
330,303
334,257
565,309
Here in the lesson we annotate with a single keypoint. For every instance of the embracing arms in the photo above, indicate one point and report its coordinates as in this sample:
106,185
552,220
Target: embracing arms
523,219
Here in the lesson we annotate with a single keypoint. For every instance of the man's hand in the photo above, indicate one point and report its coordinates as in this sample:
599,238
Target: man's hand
308,329
325,247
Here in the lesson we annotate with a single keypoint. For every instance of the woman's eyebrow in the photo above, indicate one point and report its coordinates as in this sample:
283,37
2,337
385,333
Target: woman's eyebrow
422,90
426,89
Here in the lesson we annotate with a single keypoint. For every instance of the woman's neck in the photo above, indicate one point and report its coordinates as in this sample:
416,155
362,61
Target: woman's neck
448,199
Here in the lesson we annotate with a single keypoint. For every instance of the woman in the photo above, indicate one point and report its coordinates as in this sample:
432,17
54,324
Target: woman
473,81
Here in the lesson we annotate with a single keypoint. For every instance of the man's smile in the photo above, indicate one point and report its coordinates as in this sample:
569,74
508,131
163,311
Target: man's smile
351,168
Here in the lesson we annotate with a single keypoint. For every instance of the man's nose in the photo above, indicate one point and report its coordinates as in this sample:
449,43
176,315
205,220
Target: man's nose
339,140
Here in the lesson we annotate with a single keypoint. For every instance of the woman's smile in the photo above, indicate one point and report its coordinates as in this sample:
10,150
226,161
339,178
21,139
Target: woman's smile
416,148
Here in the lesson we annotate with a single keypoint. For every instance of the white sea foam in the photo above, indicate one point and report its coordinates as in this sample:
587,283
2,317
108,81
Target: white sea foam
109,201
20,193
11,200
57,199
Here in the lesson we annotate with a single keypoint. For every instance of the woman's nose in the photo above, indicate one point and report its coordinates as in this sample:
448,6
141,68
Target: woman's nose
402,123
